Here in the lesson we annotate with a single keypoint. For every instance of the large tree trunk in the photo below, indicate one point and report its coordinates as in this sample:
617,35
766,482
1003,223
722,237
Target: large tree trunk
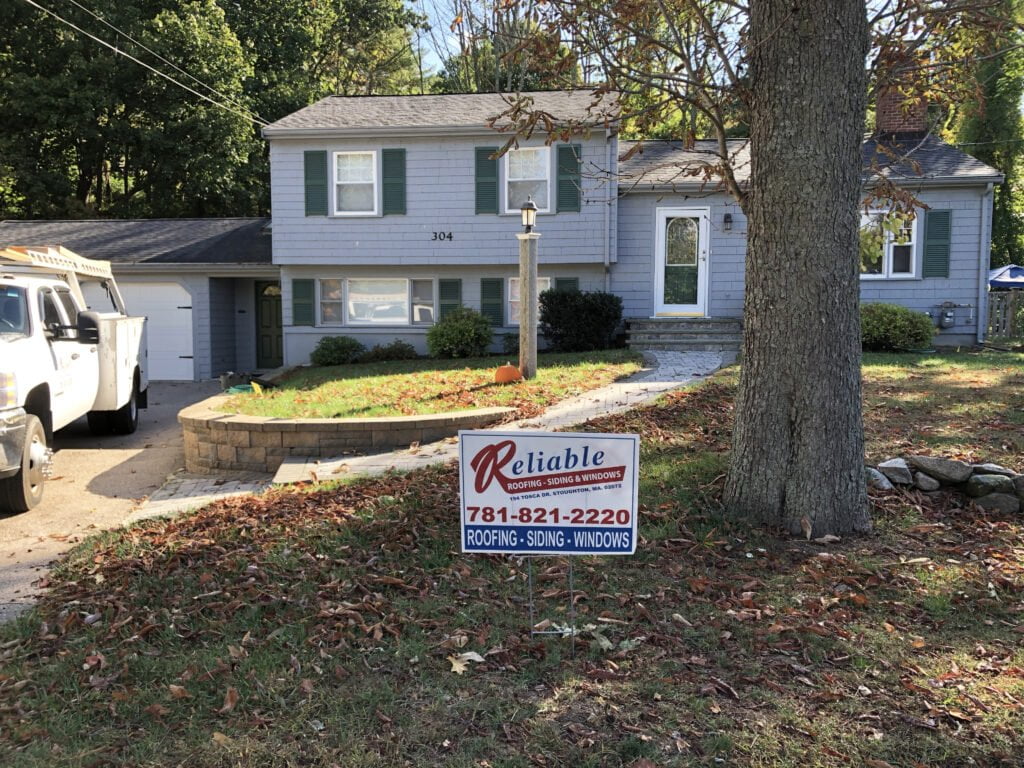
798,444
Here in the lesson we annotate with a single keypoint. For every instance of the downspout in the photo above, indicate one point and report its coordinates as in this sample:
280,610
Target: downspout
610,170
984,251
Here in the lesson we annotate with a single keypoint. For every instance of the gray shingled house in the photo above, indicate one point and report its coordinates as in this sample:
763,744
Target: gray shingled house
208,286
390,210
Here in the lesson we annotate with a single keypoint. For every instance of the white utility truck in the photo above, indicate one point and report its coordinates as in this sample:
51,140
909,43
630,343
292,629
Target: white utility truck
59,361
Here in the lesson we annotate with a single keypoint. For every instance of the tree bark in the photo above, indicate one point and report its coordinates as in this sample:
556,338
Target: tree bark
798,443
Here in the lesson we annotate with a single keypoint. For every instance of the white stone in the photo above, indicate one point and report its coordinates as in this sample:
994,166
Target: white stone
926,482
876,479
897,471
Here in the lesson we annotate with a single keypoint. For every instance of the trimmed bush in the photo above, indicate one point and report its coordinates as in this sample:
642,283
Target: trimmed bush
573,321
463,333
892,328
395,350
337,350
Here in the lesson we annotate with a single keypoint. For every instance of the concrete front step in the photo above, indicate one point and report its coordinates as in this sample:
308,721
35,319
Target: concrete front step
701,323
683,334
687,346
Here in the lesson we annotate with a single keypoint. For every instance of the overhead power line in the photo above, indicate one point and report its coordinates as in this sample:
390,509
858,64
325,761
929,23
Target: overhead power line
193,78
115,49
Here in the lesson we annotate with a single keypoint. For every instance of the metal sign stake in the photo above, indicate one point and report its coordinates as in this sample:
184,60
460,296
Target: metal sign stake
572,608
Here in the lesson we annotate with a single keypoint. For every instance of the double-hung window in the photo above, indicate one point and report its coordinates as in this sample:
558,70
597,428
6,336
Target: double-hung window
376,301
887,243
355,184
528,175
543,284
331,302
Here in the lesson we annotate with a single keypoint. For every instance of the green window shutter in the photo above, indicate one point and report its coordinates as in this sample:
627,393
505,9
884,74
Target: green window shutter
303,292
486,180
449,297
568,194
938,226
492,299
392,163
567,283
315,175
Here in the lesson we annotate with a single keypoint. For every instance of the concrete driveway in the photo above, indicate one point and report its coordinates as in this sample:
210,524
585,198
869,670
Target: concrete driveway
97,482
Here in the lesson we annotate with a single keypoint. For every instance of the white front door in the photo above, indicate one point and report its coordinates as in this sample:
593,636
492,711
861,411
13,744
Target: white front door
681,262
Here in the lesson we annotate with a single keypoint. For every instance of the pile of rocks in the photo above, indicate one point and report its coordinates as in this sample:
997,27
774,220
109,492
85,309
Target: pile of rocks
991,486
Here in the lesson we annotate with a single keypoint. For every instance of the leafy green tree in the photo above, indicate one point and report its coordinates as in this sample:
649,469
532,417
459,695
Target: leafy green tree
88,132
302,51
489,67
991,130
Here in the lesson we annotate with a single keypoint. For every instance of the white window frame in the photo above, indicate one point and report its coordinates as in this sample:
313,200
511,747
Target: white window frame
375,155
362,324
508,300
433,302
320,302
887,273
506,180
347,321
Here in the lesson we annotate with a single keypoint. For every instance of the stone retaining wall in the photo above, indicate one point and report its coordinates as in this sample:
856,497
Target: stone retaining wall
217,440
991,486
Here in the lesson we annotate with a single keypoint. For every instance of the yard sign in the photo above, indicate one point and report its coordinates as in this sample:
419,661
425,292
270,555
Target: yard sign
548,493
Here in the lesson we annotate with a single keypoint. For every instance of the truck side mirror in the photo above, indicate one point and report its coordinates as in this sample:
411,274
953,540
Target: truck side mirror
88,329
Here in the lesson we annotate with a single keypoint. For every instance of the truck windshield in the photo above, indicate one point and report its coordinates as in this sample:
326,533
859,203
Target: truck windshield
13,311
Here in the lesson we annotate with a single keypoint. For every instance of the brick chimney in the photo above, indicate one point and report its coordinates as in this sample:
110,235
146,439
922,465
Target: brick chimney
895,114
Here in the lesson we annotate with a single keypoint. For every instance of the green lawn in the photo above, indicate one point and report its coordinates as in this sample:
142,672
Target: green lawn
314,628
433,386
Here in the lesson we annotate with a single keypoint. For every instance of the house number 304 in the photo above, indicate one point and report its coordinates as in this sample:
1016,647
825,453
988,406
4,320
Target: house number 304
442,236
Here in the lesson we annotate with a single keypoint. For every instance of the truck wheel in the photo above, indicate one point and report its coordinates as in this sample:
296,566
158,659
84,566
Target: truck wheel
99,422
125,419
25,490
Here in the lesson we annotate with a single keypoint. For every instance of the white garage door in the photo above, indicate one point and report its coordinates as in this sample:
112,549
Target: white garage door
168,309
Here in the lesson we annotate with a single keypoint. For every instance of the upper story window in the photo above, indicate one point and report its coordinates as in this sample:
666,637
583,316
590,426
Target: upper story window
887,243
528,174
355,183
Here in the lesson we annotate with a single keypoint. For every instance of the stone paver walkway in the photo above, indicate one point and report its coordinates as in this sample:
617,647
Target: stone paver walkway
184,491
667,370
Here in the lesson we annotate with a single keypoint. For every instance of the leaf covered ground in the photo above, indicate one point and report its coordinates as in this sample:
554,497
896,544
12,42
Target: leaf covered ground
340,626
410,387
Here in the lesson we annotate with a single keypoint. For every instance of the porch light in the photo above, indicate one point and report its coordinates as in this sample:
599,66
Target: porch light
727,222
529,211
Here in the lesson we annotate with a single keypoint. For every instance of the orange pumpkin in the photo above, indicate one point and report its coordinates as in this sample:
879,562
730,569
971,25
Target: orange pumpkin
506,374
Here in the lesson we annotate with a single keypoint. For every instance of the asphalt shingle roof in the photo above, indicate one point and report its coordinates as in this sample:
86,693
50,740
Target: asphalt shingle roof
150,241
905,160
435,111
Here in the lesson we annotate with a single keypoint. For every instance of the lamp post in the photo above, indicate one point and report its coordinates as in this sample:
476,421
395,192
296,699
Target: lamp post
528,290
